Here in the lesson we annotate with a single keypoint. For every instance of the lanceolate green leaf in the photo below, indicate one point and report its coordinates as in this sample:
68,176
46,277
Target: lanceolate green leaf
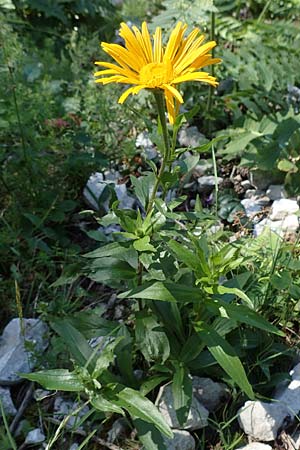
76,342
225,356
182,393
140,407
228,290
102,404
166,292
243,314
56,380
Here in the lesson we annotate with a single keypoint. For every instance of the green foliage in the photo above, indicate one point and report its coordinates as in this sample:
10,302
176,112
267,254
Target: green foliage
195,304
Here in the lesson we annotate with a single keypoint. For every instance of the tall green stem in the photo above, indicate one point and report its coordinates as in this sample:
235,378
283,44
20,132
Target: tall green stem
160,103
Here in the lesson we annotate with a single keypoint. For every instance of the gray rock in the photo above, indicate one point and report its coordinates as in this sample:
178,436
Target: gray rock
209,393
95,187
252,207
250,193
126,201
145,142
182,440
202,168
74,446
256,446
93,190
276,192
35,437
191,137
63,408
14,353
261,420
119,428
246,184
208,182
197,417
283,208
7,403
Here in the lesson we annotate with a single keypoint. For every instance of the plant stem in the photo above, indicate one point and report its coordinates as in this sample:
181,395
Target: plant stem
262,14
160,103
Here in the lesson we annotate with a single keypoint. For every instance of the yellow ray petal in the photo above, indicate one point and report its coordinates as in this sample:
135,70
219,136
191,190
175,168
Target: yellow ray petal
132,90
157,48
132,43
173,91
197,76
170,106
118,69
123,56
174,42
190,57
147,41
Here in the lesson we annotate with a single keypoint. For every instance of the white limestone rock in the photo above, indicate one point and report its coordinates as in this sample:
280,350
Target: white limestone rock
252,207
143,141
197,417
208,182
261,420
276,192
95,187
256,446
35,436
7,403
191,137
282,208
14,355
182,440
289,224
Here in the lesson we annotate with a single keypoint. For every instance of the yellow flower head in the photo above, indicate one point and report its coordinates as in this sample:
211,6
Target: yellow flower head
151,66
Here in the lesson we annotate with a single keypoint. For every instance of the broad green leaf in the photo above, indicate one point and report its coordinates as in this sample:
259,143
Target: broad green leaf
151,339
242,314
143,245
143,186
225,356
76,342
191,348
182,393
287,166
114,250
149,436
106,357
227,290
185,255
140,407
91,324
103,270
166,292
124,355
56,380
152,383
102,404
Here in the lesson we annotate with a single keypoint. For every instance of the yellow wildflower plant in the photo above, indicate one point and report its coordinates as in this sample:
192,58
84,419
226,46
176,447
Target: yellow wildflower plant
155,67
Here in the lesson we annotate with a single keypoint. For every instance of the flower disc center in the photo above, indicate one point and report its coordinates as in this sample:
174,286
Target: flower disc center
156,74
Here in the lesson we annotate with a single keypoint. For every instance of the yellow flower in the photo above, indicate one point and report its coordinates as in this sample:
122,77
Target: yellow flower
147,66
